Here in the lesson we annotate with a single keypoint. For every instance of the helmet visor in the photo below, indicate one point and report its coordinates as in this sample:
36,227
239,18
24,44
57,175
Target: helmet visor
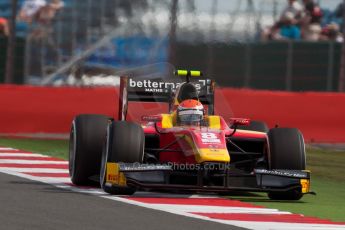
190,116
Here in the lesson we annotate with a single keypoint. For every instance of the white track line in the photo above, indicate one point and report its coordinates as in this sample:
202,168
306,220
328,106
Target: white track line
143,194
35,170
5,149
257,225
215,209
19,154
48,180
203,196
56,180
2,161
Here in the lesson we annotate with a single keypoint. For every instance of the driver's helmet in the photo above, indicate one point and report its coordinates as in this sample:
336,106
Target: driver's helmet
190,112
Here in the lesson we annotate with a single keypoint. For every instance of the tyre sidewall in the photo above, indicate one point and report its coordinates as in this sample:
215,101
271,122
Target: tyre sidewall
87,136
287,151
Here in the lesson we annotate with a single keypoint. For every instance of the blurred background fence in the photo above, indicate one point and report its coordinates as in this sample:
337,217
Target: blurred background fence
220,37
292,66
18,74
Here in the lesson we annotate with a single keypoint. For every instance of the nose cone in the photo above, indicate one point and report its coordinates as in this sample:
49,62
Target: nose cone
212,155
210,146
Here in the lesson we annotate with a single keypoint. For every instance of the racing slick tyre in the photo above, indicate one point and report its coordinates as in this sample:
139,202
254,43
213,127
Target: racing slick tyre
124,143
287,151
85,147
258,126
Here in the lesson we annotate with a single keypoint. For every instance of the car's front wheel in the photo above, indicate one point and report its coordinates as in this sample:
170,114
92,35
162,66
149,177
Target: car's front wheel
287,151
258,126
125,144
85,147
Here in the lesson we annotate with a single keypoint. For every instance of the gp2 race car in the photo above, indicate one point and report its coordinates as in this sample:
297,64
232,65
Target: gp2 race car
160,152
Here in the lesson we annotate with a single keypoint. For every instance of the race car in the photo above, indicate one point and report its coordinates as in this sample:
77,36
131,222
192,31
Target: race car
187,148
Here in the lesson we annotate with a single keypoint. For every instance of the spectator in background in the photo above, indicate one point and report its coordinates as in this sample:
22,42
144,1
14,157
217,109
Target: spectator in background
312,32
29,10
39,14
295,7
332,33
47,13
56,4
286,29
311,22
43,19
308,22
4,29
313,12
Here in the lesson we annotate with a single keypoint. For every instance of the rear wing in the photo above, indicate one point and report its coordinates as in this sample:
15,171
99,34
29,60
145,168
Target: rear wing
153,90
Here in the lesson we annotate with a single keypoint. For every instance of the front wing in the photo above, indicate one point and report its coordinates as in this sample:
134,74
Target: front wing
160,177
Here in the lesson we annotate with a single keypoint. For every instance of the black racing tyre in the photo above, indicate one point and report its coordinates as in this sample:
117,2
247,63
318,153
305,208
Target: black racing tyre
258,126
124,143
85,147
287,151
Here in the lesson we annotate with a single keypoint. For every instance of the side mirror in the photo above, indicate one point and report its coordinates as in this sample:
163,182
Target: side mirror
151,118
239,121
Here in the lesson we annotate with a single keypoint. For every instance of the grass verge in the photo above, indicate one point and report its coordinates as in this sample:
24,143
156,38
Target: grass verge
327,167
328,181
55,148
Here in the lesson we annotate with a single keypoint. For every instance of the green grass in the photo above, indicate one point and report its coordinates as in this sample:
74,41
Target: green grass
55,148
327,204
328,180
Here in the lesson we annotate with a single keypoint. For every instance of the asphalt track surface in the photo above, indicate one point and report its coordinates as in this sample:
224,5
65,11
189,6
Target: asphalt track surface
28,204
36,193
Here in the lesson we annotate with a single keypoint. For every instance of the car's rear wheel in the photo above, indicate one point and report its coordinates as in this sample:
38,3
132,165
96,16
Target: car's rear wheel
124,143
85,147
287,151
258,126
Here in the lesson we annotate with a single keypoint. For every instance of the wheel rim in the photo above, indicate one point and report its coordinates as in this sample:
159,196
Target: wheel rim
72,150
